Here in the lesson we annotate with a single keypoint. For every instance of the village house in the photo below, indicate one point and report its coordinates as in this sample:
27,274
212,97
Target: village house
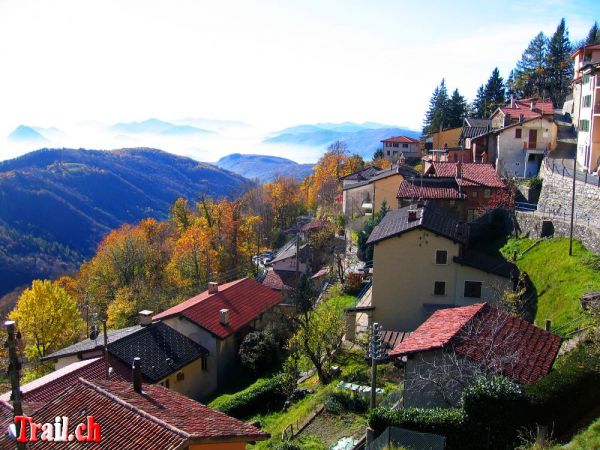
285,258
478,151
456,344
365,198
285,280
169,358
359,175
219,318
421,263
585,105
394,146
133,416
467,189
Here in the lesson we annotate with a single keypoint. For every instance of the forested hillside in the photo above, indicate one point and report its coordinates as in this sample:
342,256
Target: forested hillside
56,205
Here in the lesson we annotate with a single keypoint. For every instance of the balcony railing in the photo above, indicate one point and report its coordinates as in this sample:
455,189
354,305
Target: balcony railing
535,146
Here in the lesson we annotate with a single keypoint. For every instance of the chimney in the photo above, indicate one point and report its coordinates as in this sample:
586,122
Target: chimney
521,118
137,375
420,203
224,317
512,101
459,170
145,317
532,105
213,287
412,215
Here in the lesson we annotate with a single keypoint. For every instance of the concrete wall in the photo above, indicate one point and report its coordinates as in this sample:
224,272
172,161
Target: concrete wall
557,192
404,272
197,383
446,138
386,189
354,198
289,264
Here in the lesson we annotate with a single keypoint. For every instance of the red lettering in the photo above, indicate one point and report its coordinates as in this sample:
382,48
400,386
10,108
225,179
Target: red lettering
93,430
21,423
79,430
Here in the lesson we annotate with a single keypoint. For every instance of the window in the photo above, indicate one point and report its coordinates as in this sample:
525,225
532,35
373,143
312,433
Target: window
470,214
487,193
167,383
396,145
404,145
518,133
587,101
180,376
441,257
586,78
439,288
204,363
584,125
474,194
388,153
473,289
587,57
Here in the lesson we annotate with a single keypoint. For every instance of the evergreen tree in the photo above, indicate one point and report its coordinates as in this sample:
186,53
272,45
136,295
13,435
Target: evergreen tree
530,73
457,110
559,65
479,104
494,92
593,35
511,87
435,118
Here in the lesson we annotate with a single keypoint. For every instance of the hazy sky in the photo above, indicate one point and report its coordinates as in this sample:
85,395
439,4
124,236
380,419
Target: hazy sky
270,63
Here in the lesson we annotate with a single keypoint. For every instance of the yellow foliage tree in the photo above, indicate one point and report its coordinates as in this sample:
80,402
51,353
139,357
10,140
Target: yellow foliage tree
48,319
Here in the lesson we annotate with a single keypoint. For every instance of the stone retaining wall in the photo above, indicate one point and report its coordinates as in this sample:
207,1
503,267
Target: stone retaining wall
556,197
531,223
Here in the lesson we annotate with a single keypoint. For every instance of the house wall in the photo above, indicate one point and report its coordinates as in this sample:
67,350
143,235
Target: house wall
446,138
197,383
63,362
219,446
585,139
386,189
512,157
354,198
392,150
419,394
289,264
404,272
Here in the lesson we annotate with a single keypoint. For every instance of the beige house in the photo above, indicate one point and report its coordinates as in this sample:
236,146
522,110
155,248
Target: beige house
365,198
421,263
219,318
400,145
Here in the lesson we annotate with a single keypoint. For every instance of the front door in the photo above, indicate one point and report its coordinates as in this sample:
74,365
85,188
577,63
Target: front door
532,139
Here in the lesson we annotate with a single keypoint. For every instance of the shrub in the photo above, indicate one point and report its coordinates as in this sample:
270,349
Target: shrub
258,351
264,395
339,401
353,283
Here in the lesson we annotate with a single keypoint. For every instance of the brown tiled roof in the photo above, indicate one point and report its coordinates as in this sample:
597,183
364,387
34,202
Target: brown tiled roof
401,140
430,188
491,264
362,174
245,299
280,279
472,174
429,217
534,349
157,419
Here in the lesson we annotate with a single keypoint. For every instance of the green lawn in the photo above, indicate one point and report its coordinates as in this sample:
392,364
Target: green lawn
588,439
559,279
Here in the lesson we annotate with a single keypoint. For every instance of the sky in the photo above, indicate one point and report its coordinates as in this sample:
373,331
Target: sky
271,64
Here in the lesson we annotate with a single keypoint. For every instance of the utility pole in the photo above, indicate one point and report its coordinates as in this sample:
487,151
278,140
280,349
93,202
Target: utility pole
14,369
572,205
377,351
106,363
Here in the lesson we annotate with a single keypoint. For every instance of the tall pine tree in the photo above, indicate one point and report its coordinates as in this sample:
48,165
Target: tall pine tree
530,73
436,116
593,35
457,110
559,65
479,104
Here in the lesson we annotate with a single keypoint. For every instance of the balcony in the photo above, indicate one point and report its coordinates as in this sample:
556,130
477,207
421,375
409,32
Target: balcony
538,147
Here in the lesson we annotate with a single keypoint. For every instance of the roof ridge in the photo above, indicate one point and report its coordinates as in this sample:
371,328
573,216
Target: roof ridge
135,409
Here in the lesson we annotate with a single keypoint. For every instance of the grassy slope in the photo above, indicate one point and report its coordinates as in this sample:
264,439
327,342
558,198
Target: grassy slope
588,439
559,279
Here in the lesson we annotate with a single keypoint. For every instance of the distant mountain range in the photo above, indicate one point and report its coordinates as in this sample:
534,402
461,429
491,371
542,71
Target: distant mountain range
264,168
362,139
56,205
155,126
24,133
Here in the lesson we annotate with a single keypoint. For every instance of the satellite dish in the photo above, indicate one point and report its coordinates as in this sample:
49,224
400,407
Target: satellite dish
94,332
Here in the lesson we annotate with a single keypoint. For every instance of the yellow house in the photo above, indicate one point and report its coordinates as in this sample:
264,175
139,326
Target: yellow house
421,264
366,197
448,138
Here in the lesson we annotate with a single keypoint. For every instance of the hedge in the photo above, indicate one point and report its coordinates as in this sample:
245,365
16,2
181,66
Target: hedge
264,395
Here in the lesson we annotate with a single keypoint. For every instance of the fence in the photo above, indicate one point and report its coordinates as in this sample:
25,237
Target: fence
414,440
557,166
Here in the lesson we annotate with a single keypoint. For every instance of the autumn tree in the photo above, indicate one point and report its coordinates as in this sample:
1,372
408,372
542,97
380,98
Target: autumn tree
48,319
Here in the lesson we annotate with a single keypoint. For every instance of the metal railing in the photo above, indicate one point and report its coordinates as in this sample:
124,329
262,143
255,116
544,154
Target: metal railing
558,167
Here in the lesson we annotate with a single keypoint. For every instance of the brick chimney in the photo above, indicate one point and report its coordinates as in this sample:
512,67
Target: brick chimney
224,317
213,287
412,215
459,170
532,105
145,317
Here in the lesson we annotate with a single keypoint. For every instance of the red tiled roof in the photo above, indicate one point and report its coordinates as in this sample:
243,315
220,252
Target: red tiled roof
49,386
157,419
437,331
429,190
523,107
245,299
314,225
534,349
472,174
401,140
280,279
